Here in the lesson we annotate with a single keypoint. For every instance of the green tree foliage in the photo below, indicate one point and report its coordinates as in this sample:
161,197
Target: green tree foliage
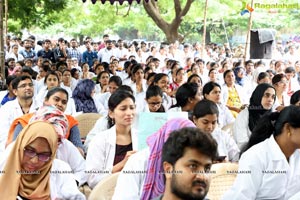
29,13
74,18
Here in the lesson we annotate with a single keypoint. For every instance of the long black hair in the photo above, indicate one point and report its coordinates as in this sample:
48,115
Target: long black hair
114,100
272,124
184,92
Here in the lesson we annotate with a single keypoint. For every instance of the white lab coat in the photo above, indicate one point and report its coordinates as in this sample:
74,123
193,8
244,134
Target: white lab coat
100,126
8,113
168,101
131,179
225,116
144,87
241,131
63,185
226,145
103,99
101,155
286,101
264,173
70,154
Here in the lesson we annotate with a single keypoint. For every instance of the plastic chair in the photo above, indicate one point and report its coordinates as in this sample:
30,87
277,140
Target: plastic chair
104,190
86,122
222,179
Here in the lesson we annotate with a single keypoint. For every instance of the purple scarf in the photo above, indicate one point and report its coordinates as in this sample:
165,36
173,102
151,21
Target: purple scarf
154,182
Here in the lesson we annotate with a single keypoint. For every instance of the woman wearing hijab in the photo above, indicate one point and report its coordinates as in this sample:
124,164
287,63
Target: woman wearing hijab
30,167
261,102
66,150
149,182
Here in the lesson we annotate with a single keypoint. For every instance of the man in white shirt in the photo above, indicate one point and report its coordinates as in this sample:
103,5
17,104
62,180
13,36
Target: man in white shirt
23,104
121,53
105,54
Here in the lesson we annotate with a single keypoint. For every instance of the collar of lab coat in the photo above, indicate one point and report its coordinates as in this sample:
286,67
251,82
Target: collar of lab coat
113,137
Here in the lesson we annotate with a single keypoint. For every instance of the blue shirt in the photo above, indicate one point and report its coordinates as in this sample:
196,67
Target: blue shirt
88,57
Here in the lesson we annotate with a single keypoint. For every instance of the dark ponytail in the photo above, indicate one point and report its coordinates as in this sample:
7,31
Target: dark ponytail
263,130
273,123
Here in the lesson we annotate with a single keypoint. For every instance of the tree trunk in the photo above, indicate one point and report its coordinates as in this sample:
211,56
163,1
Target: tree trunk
204,29
2,40
170,29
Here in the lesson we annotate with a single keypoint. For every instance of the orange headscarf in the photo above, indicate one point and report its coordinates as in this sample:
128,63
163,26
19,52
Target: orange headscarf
30,186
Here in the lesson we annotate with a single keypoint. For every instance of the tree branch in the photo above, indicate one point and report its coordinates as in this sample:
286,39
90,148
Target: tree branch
152,10
179,16
186,7
177,7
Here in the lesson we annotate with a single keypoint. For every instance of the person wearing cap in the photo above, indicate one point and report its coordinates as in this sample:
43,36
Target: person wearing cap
61,52
28,52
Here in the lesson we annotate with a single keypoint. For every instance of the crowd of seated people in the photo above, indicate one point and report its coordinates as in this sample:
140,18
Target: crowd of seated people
47,86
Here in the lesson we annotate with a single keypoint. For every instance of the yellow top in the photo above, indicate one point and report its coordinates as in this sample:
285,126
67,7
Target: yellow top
233,100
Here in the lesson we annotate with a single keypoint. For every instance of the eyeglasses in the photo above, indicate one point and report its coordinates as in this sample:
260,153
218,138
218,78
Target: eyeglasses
44,157
25,85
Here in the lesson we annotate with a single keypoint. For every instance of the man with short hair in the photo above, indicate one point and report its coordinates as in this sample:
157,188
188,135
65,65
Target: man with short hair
103,44
74,52
121,52
28,52
23,104
105,54
46,51
89,55
61,52
187,157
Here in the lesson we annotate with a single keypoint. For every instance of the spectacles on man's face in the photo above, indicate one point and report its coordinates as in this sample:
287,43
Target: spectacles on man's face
44,157
25,85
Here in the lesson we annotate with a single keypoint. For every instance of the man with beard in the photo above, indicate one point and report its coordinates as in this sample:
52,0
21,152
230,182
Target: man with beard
106,53
23,104
187,157
28,52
